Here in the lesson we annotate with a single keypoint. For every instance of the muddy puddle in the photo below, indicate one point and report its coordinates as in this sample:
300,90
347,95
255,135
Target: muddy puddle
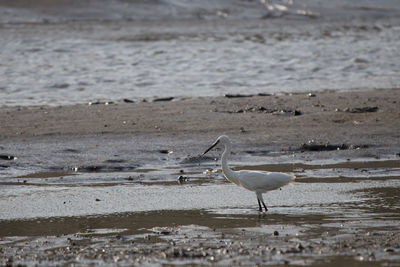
337,213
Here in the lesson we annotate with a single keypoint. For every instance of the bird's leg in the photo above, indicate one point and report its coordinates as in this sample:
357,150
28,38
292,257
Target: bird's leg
265,207
260,199
259,205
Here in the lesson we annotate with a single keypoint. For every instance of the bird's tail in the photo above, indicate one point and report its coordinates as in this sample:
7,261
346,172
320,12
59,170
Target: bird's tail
293,180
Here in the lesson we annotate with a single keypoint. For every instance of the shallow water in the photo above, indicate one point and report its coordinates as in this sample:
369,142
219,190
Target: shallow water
173,54
212,222
63,191
143,214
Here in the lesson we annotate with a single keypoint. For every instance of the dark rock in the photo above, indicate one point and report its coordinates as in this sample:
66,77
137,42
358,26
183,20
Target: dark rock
297,112
182,179
300,247
8,157
276,233
126,100
361,110
322,147
237,95
165,151
312,146
165,232
163,99
263,94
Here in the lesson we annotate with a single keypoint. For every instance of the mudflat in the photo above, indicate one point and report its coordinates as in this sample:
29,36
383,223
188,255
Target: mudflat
98,183
368,117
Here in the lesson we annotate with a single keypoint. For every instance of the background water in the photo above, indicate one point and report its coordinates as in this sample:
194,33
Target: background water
66,52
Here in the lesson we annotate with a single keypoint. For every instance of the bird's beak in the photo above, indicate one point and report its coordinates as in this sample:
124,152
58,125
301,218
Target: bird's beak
211,147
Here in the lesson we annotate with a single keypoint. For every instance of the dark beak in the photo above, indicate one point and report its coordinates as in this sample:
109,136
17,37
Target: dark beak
211,147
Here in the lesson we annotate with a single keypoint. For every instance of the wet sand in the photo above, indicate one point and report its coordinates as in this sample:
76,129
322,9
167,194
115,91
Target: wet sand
99,184
358,117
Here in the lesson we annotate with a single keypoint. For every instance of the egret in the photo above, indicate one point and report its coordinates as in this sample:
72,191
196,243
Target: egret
256,181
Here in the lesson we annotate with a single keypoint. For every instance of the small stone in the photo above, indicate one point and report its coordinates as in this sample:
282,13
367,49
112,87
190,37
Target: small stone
300,247
165,232
8,157
276,233
297,112
166,151
182,179
163,99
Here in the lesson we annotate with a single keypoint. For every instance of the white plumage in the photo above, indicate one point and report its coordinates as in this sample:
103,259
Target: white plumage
256,181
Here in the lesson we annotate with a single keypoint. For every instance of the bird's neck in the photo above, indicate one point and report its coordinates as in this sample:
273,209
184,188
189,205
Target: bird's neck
229,174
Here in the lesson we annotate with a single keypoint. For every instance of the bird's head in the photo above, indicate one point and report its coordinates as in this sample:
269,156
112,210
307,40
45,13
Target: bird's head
223,139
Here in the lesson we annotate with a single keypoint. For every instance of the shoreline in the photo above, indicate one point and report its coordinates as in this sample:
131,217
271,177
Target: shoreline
249,116
123,203
329,127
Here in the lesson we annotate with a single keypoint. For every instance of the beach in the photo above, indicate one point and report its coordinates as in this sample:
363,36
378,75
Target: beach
106,189
106,108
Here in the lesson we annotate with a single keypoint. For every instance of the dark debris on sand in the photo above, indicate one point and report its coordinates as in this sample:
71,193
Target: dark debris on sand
313,146
262,109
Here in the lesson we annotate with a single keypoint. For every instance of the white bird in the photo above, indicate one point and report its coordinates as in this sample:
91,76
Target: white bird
256,181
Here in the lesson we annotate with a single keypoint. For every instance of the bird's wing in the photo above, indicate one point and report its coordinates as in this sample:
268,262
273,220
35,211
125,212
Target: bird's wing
263,181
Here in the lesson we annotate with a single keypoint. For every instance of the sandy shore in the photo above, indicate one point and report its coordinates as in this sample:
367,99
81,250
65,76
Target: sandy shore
333,215
359,117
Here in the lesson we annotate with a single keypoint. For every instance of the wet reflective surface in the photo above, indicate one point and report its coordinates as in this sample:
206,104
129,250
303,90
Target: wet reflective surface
145,216
78,59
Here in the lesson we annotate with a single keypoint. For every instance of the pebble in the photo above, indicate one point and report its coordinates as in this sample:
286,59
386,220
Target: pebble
8,157
182,179
388,250
297,112
166,151
126,100
237,95
163,99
